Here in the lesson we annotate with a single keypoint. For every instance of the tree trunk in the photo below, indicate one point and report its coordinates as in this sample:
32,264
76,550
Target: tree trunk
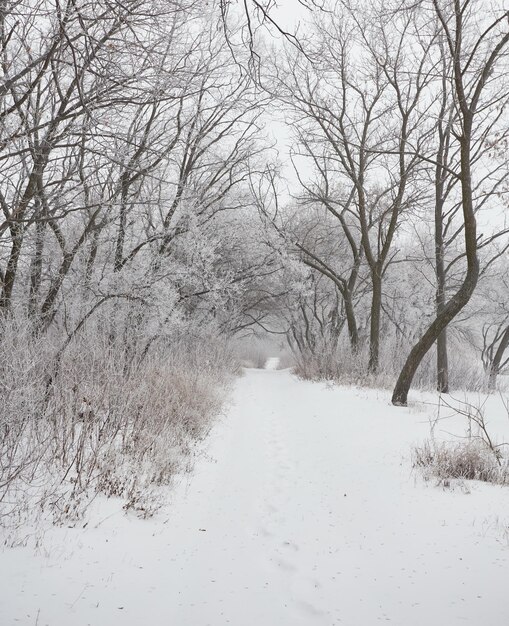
376,309
462,296
119,248
12,268
497,359
92,255
442,363
353,331
36,268
442,358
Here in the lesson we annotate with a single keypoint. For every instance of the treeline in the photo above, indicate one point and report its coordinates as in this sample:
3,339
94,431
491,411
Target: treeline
130,137
147,221
398,114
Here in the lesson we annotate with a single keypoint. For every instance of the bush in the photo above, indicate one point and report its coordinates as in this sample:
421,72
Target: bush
101,417
469,460
340,364
476,457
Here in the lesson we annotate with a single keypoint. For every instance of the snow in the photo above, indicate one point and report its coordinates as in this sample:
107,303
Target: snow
303,509
272,363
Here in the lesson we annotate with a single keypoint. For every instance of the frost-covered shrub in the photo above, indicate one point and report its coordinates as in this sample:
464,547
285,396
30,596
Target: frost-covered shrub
339,363
323,364
466,460
477,456
104,417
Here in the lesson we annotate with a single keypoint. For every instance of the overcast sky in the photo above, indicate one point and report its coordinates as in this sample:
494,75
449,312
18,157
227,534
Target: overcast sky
288,14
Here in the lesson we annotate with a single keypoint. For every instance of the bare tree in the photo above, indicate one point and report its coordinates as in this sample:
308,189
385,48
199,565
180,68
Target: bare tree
357,102
473,49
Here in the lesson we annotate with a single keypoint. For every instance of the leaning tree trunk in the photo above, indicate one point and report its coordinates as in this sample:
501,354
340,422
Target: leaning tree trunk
462,296
466,111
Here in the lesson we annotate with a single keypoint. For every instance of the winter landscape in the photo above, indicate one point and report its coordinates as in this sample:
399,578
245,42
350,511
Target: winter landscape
254,312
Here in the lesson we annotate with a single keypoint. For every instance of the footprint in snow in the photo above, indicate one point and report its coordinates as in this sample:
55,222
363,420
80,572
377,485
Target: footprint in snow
310,609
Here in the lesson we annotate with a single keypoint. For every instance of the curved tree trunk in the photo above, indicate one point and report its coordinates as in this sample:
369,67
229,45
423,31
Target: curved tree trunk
466,106
462,296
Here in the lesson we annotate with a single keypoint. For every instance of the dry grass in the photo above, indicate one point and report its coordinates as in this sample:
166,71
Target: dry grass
106,420
464,460
342,366
477,456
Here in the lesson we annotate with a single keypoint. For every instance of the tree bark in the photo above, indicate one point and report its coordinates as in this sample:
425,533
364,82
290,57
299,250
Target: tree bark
374,333
11,268
36,268
442,357
353,331
442,363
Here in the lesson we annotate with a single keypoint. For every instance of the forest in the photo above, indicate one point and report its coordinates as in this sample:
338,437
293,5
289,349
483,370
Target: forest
254,290
189,187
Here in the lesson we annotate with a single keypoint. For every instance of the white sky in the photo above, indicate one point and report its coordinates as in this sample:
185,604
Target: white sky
290,15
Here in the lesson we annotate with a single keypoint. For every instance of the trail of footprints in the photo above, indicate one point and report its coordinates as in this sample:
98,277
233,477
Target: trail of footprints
281,551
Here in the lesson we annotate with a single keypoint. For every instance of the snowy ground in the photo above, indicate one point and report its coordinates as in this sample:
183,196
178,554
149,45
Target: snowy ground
304,510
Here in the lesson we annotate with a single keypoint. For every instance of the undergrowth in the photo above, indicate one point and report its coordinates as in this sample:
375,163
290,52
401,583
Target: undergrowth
343,366
476,456
106,417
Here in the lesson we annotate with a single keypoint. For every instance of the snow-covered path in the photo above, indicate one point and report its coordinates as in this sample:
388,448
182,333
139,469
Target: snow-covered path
303,511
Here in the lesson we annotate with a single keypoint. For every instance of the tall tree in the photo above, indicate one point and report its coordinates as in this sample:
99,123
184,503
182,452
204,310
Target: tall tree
473,48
